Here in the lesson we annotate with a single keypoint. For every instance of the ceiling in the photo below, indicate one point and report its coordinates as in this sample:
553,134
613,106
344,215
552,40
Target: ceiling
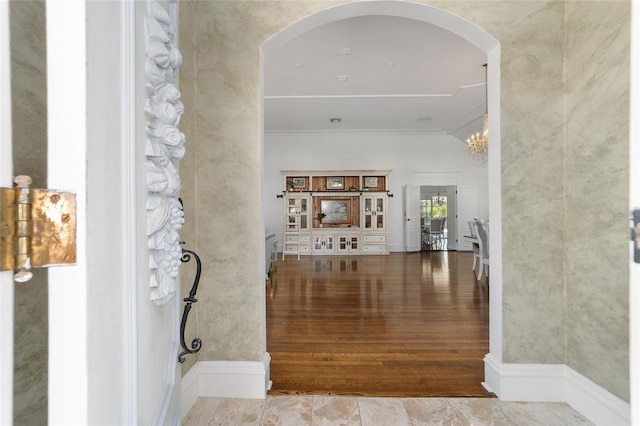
376,73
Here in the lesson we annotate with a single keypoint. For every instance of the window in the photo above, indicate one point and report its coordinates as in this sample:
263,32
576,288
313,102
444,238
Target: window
436,206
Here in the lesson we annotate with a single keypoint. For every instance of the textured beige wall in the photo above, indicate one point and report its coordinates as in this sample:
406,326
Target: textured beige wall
597,188
186,77
229,35
29,122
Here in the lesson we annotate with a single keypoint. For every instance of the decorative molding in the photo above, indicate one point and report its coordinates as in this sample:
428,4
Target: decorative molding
555,383
164,148
225,379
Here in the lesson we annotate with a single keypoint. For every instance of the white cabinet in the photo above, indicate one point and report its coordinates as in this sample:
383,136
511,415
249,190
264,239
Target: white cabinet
296,225
374,211
374,243
348,243
352,203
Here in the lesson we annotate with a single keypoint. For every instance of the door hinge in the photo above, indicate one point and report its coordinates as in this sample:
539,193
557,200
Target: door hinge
38,228
635,232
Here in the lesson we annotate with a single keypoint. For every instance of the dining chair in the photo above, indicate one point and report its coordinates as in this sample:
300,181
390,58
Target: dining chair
436,232
475,246
482,228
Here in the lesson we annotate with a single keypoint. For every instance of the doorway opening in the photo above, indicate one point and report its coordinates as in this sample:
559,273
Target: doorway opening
480,39
438,218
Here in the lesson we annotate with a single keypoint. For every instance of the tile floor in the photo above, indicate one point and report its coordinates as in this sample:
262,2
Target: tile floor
343,410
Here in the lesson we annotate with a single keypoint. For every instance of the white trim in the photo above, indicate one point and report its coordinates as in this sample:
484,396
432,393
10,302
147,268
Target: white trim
6,174
234,379
555,383
169,396
495,204
436,178
128,215
190,391
594,402
67,159
225,379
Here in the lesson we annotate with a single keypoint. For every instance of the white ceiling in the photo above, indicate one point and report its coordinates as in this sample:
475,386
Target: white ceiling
376,73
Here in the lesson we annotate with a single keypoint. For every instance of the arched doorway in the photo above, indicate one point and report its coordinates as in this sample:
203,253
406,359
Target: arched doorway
490,46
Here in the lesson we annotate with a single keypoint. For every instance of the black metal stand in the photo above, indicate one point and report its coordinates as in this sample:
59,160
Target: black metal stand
196,344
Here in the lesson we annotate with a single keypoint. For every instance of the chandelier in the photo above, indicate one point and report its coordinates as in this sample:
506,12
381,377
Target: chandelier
439,200
478,144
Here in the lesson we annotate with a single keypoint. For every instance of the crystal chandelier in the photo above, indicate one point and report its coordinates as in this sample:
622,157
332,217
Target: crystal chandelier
478,144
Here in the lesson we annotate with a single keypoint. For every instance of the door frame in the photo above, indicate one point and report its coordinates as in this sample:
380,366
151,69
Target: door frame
6,175
488,44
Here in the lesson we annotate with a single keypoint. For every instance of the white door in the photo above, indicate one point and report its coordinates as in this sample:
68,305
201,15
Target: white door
111,304
6,173
66,139
467,210
412,218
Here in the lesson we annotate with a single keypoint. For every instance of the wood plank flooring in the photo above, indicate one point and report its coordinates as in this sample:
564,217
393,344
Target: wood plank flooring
407,324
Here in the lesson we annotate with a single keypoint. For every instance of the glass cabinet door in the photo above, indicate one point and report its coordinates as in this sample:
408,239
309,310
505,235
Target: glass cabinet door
303,213
379,213
328,243
317,243
354,243
374,212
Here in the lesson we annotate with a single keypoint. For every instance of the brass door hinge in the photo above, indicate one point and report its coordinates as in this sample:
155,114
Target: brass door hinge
38,228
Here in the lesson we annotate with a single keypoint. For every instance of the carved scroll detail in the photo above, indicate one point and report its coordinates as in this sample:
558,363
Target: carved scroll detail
164,149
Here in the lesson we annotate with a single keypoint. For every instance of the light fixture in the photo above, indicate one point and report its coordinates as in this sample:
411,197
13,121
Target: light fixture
439,200
478,144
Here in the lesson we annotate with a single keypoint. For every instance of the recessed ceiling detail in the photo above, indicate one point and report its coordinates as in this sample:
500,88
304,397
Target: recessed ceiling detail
378,73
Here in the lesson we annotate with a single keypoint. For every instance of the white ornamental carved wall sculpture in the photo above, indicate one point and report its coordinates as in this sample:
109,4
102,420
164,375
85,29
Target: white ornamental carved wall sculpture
164,148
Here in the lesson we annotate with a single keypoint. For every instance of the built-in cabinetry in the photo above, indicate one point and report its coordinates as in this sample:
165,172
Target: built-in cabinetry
336,212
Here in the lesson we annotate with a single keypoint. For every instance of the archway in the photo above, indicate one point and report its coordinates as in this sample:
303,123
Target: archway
491,47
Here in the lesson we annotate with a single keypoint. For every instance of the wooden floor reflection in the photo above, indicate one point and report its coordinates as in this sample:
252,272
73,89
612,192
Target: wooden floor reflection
407,324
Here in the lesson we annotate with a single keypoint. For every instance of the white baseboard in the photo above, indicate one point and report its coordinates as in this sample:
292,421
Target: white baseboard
555,383
595,403
225,379
190,391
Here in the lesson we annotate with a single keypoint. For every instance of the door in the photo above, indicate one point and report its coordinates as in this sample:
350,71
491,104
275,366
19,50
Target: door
100,308
412,230
467,211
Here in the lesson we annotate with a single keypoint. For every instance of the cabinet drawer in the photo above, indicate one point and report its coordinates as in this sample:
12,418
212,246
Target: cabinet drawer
375,248
374,238
304,239
305,249
291,238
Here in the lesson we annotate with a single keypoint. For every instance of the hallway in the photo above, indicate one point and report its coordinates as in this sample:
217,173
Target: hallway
403,325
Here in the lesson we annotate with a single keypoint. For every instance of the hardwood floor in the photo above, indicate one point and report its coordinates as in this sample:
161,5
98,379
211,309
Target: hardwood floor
407,324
